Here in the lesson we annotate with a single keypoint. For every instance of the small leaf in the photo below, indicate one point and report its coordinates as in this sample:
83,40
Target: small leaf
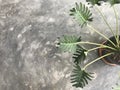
79,55
69,43
80,78
81,13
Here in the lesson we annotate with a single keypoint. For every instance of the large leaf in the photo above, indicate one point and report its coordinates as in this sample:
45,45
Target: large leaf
80,78
69,43
81,13
79,55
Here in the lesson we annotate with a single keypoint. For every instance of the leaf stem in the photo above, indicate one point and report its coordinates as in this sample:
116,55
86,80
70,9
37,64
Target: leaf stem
117,26
109,26
96,60
91,43
94,49
100,45
100,34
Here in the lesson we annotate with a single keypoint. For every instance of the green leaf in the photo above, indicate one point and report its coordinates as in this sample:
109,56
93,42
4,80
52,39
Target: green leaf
112,2
79,55
93,2
81,13
69,43
80,78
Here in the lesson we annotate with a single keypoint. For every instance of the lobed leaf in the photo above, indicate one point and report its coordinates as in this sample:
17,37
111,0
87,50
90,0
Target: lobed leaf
80,78
79,55
81,13
69,43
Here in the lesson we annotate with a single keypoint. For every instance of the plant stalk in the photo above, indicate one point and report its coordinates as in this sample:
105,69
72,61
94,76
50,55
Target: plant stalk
97,44
91,43
98,31
100,45
101,34
109,26
96,60
105,20
117,27
94,49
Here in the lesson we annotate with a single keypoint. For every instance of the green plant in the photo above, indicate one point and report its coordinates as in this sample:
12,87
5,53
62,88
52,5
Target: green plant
75,45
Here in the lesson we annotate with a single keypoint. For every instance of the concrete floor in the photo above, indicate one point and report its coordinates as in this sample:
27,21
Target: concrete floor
29,59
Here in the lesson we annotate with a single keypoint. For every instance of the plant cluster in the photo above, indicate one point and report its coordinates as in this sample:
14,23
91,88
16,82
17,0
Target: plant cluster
80,76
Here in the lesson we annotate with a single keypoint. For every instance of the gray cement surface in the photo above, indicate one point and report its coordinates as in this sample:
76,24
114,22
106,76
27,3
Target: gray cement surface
29,59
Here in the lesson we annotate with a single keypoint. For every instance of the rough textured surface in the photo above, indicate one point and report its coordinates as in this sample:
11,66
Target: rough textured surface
29,59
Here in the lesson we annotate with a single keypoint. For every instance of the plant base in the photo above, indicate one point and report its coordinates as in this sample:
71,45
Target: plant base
112,59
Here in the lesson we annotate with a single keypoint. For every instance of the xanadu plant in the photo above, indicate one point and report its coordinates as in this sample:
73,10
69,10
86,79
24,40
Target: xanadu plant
109,50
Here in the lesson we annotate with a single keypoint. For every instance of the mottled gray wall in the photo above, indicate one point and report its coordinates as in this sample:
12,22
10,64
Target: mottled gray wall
29,59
